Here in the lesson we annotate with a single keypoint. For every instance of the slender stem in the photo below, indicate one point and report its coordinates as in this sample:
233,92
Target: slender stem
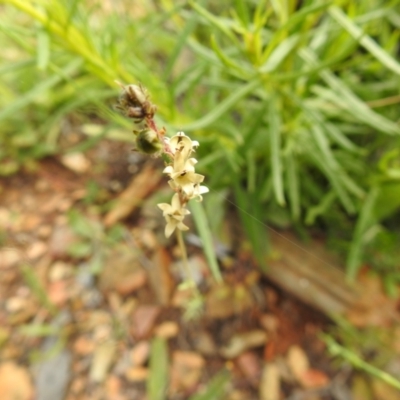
337,350
182,247
195,302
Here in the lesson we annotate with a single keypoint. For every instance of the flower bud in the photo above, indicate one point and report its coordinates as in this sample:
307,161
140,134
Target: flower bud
147,141
134,103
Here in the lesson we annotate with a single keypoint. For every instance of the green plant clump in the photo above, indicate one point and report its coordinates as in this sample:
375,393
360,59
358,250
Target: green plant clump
298,110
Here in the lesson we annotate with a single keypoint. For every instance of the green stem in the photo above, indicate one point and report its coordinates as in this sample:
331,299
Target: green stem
185,262
74,41
195,302
337,350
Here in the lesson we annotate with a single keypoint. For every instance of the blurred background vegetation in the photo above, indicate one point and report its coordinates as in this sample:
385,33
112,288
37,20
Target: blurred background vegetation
296,104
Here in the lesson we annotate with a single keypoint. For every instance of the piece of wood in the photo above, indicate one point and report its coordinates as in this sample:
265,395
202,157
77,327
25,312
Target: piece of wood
139,188
312,274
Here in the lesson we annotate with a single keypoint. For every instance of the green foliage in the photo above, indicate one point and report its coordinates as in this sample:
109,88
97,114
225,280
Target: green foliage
358,362
92,241
216,388
33,282
158,377
297,111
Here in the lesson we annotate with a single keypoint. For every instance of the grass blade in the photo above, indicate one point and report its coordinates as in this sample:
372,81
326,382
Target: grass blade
275,140
252,216
222,108
380,54
293,186
158,376
200,219
28,97
365,220
216,388
279,54
33,282
348,101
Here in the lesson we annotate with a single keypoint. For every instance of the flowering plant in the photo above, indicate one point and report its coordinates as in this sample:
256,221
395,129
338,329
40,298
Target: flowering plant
134,103
178,150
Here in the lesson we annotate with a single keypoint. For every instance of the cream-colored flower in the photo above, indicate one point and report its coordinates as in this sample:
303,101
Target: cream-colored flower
198,191
186,181
181,140
174,214
180,166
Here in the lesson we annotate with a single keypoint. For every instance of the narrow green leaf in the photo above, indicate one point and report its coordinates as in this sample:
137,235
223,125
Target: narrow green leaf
221,24
158,375
357,362
332,130
293,185
333,174
365,220
227,61
241,8
216,389
252,216
274,120
30,96
38,330
223,107
337,136
303,12
251,171
348,101
200,219
380,54
43,50
279,54
32,280
180,43
321,208
388,200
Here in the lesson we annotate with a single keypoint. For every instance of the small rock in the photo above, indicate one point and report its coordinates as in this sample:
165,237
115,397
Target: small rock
143,320
5,217
44,231
297,361
167,330
76,162
36,249
140,353
59,271
15,304
242,342
249,364
122,272
101,362
9,257
83,346
186,370
204,343
52,375
59,292
313,378
270,382
269,322
219,302
136,374
61,240
113,387
15,382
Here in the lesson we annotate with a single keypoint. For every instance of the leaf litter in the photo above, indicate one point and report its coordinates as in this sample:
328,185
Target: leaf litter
123,299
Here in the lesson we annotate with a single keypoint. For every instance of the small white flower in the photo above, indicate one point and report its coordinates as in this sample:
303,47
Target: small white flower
181,141
186,181
198,191
174,214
